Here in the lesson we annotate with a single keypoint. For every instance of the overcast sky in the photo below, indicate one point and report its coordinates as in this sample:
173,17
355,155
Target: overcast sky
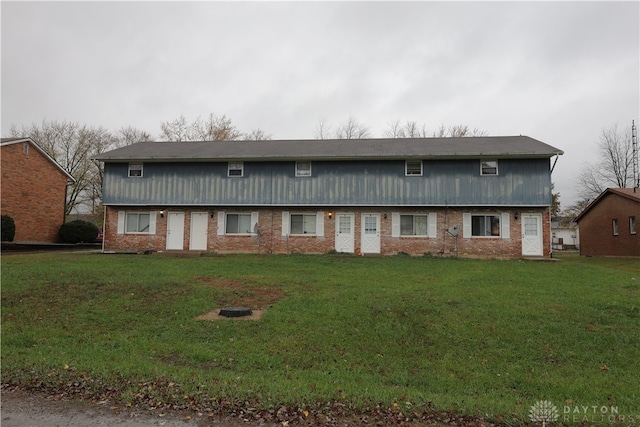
559,72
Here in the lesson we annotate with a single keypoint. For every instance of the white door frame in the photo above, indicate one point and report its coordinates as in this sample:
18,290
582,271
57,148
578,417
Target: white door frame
175,231
532,244
345,242
370,238
198,232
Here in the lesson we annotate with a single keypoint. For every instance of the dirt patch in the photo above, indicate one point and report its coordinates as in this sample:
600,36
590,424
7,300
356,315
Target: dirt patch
238,293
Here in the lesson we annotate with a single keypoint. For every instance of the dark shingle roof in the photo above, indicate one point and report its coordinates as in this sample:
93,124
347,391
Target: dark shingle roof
333,149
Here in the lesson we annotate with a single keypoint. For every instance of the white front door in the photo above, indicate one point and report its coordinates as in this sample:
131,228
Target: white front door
532,235
175,231
198,236
370,233
345,235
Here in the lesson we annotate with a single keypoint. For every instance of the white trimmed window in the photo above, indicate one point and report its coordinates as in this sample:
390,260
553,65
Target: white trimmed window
235,169
137,222
632,224
303,169
413,225
488,167
238,223
413,168
615,227
303,224
135,170
485,225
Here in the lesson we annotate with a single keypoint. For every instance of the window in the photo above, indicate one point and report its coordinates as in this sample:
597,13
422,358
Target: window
489,167
413,225
236,169
238,224
413,168
303,224
303,168
485,225
632,224
25,148
137,222
615,226
135,170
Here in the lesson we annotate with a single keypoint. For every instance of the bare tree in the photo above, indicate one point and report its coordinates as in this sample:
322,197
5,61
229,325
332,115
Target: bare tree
213,128
323,130
176,130
411,129
352,129
72,145
130,135
256,135
615,167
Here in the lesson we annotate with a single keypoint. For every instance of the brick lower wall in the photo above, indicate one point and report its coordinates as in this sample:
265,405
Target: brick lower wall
270,239
33,194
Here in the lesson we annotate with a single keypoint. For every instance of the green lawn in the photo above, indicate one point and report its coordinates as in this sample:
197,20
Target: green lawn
481,338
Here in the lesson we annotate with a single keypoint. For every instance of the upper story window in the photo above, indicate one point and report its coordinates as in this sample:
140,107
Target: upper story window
413,168
25,148
135,169
236,169
485,225
489,167
632,224
413,225
615,226
303,168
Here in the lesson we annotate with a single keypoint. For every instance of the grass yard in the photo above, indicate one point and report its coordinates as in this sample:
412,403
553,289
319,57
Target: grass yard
485,339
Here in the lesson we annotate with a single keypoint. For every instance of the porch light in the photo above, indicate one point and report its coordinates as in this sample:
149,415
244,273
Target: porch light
162,214
517,215
330,215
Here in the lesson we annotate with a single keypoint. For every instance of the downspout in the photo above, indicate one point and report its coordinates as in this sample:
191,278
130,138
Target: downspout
550,238
104,225
554,163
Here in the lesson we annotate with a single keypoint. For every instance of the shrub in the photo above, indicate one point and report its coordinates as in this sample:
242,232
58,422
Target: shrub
8,228
78,231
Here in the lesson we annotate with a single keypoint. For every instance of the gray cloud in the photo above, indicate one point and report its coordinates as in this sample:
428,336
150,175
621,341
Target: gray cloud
556,71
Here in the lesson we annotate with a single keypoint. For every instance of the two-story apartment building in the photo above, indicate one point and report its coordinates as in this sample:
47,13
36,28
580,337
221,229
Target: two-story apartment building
480,196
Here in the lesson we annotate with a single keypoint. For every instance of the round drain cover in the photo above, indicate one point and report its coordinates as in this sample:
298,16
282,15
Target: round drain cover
235,312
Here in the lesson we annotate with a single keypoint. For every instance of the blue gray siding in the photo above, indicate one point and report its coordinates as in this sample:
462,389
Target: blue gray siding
334,183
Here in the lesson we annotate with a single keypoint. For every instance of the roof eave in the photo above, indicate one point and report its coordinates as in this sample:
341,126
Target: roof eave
276,158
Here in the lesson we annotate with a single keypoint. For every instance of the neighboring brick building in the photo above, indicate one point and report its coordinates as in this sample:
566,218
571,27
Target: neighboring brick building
33,189
480,196
609,225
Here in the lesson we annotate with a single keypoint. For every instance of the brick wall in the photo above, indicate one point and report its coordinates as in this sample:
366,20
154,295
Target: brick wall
33,193
269,238
596,228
